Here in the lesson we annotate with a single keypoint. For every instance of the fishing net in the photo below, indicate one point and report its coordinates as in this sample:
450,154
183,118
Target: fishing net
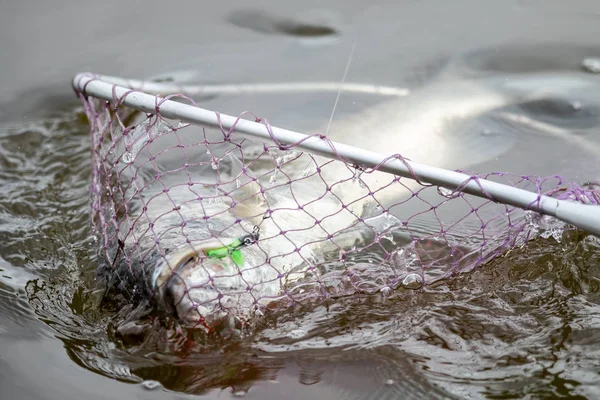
212,226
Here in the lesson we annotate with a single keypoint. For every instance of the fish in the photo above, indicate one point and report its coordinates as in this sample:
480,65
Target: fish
230,243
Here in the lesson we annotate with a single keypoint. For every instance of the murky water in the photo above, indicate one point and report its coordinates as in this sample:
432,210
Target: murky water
522,326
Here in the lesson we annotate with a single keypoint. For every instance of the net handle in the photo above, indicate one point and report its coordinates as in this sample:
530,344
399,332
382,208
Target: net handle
586,217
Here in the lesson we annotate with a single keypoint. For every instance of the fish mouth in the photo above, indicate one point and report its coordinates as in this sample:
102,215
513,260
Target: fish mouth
184,283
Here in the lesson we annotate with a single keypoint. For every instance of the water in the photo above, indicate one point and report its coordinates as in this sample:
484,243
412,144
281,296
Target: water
524,325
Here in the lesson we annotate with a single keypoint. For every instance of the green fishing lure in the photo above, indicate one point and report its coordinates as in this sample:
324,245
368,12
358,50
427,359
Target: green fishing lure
233,250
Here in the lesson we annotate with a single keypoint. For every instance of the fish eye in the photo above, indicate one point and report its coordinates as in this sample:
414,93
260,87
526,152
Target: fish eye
562,112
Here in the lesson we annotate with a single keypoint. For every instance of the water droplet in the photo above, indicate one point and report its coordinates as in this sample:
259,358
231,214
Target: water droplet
389,237
127,157
240,393
273,178
591,64
386,290
356,175
145,133
283,156
406,258
181,125
214,163
532,219
217,199
151,385
390,217
447,192
577,105
412,281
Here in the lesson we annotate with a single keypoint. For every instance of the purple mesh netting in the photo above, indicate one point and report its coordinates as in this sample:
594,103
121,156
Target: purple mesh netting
166,196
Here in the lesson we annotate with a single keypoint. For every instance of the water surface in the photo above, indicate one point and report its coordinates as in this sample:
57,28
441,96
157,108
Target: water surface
521,326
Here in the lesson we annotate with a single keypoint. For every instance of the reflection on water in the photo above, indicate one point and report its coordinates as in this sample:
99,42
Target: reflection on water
263,22
524,324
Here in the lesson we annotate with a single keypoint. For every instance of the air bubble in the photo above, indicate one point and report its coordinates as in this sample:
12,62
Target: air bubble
180,125
238,183
214,164
240,393
127,157
412,281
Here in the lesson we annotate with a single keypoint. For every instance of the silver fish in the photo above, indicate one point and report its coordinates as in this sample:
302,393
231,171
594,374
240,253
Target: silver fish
230,256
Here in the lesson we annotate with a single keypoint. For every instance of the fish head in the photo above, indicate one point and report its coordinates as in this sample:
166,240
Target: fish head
206,283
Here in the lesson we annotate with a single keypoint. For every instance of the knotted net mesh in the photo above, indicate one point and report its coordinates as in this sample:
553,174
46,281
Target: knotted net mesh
211,226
